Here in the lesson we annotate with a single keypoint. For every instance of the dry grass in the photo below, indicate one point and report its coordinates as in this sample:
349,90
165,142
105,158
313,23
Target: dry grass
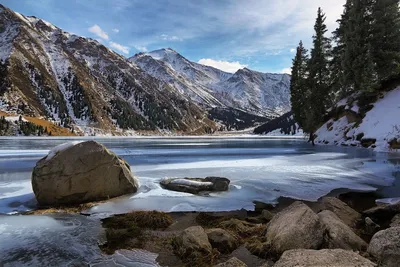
125,231
143,219
51,127
2,113
63,209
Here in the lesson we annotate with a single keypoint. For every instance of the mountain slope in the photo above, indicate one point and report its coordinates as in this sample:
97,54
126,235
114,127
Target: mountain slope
79,83
253,92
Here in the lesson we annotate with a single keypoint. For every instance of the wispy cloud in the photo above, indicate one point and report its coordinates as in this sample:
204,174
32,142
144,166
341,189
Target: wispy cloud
119,47
293,50
95,29
222,65
141,48
167,37
115,30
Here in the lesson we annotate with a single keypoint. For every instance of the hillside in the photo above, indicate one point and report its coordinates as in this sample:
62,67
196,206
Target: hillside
76,82
375,125
283,125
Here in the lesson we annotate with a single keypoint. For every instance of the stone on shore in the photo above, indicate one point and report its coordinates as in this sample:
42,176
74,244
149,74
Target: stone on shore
348,215
222,240
385,247
395,221
232,262
383,212
370,226
192,242
295,227
196,185
339,235
322,258
75,173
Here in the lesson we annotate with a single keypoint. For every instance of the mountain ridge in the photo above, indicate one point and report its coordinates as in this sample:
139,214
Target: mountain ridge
82,85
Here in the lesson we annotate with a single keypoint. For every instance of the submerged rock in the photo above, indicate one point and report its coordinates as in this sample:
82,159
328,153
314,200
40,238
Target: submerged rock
196,185
322,258
385,247
295,227
75,173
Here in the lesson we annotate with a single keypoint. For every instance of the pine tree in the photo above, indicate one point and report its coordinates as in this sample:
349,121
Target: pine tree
357,60
338,82
298,87
319,74
385,38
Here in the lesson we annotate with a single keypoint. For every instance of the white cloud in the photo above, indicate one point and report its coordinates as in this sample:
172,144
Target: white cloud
222,65
120,48
141,48
286,70
115,30
166,37
98,31
293,50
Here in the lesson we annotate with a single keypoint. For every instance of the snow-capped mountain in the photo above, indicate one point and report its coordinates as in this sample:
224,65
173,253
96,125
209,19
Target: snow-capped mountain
79,83
257,93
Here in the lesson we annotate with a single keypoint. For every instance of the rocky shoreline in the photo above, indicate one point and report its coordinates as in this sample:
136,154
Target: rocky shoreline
293,233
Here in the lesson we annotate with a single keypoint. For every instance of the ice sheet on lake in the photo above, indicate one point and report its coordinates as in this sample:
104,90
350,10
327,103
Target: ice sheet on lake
54,240
61,240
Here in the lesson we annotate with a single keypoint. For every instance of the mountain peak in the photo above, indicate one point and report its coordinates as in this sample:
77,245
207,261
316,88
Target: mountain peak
162,53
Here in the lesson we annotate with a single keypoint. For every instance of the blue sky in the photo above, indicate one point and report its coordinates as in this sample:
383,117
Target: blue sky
228,34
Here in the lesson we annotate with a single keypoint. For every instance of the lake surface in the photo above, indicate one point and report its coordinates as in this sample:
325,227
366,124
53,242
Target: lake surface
259,169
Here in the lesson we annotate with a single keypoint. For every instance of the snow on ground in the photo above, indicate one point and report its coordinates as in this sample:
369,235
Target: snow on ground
382,123
190,183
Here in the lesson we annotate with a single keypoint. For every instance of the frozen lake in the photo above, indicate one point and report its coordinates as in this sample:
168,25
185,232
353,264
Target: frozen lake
259,169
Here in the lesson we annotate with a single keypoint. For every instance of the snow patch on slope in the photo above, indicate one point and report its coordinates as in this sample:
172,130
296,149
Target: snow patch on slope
381,123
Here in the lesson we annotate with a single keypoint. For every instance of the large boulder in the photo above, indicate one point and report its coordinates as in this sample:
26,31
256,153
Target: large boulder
191,242
75,173
339,235
385,247
348,215
322,258
196,185
222,240
295,227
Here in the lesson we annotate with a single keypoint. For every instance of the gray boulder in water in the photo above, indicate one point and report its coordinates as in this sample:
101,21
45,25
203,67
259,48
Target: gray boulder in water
80,172
196,185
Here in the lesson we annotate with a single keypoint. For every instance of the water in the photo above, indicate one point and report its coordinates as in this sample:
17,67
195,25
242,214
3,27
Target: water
259,169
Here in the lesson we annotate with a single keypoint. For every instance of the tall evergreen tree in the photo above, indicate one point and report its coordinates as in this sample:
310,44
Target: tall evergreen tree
338,82
357,61
319,73
298,86
385,38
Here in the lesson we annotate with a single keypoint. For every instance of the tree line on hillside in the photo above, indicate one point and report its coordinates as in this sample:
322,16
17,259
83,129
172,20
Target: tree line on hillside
23,127
362,56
